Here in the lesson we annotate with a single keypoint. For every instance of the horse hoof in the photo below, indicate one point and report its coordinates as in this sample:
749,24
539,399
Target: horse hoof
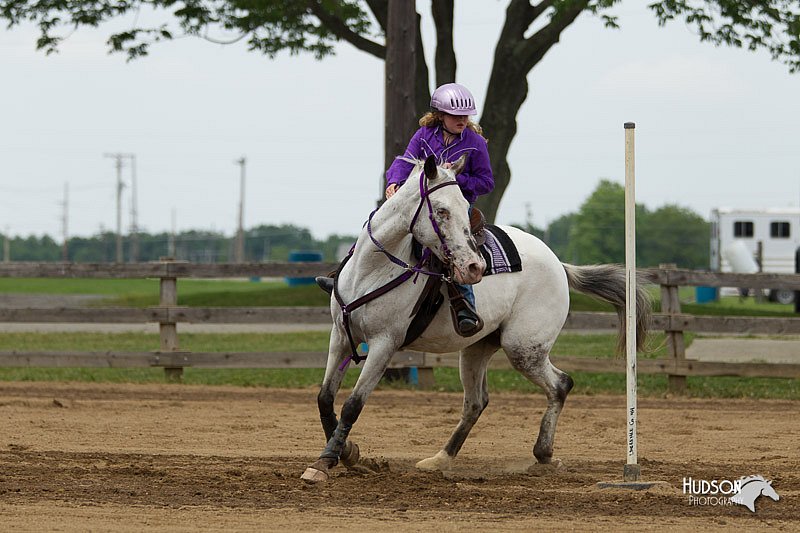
350,454
440,461
313,475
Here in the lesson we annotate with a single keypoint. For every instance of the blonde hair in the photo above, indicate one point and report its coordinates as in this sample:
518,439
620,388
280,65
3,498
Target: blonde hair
436,118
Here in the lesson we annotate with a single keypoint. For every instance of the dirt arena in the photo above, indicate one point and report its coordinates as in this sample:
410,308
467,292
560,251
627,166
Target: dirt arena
100,457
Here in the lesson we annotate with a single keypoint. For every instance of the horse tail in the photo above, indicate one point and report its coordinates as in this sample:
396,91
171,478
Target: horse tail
607,282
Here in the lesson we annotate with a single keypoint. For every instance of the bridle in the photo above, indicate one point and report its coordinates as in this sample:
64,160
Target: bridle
409,270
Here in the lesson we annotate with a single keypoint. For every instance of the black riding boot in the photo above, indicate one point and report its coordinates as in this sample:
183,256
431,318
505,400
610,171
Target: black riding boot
325,283
467,322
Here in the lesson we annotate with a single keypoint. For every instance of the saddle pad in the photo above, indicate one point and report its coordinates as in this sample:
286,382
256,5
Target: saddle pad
499,251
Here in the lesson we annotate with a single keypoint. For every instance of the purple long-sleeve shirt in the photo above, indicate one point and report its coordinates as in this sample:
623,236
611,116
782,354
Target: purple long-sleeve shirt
475,179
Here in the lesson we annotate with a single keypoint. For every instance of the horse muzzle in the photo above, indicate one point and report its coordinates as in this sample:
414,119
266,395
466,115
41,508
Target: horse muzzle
470,274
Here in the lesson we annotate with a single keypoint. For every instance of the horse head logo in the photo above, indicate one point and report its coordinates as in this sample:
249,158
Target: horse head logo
751,488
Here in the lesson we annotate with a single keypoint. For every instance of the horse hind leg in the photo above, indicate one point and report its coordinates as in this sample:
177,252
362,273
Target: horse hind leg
534,363
473,363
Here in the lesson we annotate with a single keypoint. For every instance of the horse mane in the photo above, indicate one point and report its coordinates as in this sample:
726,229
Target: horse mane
418,163
749,479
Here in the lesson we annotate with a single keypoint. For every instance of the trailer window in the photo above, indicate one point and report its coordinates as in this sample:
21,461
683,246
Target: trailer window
742,228
779,230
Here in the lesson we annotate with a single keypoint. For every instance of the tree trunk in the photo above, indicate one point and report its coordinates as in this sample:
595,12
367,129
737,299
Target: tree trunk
515,56
445,55
401,66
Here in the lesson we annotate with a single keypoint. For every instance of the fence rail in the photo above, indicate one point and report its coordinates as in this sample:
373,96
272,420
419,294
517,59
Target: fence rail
168,315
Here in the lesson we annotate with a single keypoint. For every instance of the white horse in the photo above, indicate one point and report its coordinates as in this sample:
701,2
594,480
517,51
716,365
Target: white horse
523,312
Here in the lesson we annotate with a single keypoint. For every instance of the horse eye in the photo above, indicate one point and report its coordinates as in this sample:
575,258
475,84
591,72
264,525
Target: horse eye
443,213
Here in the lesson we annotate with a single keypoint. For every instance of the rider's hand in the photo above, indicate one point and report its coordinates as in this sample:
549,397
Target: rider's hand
390,190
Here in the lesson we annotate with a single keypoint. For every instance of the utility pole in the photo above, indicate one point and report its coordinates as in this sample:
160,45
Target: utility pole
118,158
7,246
134,249
171,239
238,252
64,225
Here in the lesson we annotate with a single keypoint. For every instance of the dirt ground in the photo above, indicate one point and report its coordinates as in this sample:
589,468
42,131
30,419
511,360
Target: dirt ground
100,457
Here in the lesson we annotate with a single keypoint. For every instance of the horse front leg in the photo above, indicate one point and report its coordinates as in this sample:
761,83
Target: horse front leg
338,350
337,446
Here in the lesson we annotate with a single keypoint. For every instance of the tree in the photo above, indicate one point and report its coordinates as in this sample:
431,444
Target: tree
529,32
673,234
670,234
559,233
598,231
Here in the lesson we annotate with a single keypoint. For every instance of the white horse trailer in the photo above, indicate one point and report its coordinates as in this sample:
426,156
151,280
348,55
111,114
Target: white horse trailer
773,234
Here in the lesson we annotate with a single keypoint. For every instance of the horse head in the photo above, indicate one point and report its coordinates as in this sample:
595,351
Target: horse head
447,229
769,492
751,488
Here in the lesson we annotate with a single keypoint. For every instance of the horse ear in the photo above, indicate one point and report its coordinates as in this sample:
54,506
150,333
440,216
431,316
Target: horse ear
430,167
458,166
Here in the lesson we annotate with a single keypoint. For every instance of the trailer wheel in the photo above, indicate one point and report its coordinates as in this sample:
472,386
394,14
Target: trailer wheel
782,296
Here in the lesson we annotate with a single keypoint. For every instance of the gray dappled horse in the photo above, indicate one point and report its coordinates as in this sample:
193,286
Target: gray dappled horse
523,312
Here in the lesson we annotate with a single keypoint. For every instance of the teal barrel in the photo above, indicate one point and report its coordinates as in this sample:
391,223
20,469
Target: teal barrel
703,295
303,256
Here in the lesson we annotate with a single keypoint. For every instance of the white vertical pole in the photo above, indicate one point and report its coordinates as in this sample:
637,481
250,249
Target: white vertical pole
631,471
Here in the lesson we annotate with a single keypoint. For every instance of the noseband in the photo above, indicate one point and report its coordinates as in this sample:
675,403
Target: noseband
409,271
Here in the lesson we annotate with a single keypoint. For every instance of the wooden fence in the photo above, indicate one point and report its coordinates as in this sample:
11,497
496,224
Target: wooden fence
168,315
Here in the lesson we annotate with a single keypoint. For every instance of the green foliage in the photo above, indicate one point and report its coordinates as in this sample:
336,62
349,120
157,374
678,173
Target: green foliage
771,25
269,26
596,233
262,243
672,234
272,26
558,237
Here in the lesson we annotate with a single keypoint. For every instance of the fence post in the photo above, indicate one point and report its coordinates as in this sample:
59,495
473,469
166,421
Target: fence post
671,305
168,331
797,271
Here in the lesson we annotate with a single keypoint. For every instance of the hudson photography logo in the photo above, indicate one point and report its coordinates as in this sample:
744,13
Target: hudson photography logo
743,491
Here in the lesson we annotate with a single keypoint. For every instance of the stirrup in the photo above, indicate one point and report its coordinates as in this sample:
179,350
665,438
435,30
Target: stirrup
325,283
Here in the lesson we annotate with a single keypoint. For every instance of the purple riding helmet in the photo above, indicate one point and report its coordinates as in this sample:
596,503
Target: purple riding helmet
453,99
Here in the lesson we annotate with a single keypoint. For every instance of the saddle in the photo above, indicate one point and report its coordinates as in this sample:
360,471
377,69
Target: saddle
477,225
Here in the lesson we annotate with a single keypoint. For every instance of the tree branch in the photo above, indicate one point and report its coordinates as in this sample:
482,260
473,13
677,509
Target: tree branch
445,54
538,44
340,29
380,9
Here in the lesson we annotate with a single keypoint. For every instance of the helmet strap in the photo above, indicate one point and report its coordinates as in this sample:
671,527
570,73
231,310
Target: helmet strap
448,131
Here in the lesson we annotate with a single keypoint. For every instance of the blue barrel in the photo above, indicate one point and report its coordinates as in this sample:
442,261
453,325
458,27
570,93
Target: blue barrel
305,256
703,295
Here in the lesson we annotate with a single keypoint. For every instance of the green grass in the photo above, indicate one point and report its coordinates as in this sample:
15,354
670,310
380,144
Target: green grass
239,293
446,378
191,292
595,345
215,293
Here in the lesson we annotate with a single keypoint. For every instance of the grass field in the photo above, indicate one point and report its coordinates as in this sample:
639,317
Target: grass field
447,379
213,293
241,293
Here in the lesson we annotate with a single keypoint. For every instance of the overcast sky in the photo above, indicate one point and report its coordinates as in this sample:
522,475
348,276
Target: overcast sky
714,127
